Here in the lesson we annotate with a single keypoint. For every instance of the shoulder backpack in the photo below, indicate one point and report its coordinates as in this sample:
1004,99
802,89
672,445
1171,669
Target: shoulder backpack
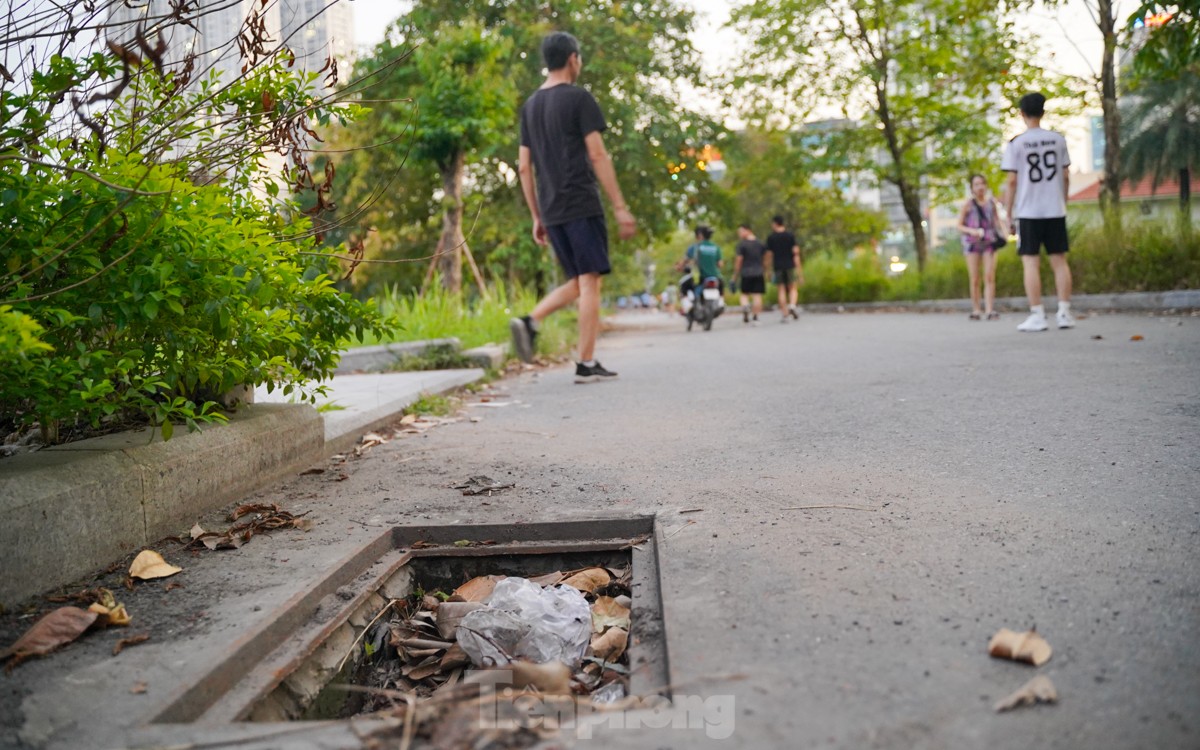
997,243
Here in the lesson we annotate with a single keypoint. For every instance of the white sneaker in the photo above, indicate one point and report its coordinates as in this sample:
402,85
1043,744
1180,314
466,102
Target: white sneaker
1064,319
1034,322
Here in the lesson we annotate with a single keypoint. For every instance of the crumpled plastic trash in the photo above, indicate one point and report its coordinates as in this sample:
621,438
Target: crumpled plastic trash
523,620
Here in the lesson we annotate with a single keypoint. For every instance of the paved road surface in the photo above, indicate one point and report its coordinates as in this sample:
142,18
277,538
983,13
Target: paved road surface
1010,480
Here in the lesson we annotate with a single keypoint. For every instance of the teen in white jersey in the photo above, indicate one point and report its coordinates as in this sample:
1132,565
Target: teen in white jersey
1036,162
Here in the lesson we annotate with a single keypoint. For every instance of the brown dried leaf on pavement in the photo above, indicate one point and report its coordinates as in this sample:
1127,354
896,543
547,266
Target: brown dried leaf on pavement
1028,647
132,640
1038,690
149,564
110,615
247,509
60,627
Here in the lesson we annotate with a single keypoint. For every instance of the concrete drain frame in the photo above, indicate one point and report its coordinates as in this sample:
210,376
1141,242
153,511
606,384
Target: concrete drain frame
241,693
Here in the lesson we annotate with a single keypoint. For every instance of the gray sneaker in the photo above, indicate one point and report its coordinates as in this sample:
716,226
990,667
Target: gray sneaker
524,338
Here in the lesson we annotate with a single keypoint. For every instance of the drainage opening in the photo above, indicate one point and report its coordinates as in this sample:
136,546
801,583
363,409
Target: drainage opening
412,614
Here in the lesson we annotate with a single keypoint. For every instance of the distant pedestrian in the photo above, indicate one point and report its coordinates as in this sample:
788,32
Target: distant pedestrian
707,257
1037,162
748,266
789,272
561,142
983,233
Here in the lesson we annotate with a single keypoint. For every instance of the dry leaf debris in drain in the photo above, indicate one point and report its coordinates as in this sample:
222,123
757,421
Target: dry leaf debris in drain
415,665
482,485
64,625
265,517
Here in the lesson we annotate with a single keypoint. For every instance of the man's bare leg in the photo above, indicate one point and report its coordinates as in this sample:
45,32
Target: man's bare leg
1033,279
757,303
1062,276
557,299
589,315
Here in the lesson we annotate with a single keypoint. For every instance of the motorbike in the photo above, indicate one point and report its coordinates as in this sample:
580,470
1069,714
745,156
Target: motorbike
702,304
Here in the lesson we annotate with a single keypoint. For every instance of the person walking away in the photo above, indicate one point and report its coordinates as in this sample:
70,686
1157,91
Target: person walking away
561,144
707,257
1036,162
749,268
982,235
789,272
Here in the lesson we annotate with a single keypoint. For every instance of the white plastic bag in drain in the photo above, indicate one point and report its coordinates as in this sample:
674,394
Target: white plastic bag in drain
524,620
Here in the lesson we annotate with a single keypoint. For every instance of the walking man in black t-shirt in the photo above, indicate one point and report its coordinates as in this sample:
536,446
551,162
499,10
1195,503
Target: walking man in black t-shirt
560,143
749,266
789,273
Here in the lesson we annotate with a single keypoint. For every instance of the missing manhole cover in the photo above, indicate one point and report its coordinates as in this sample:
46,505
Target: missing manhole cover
299,667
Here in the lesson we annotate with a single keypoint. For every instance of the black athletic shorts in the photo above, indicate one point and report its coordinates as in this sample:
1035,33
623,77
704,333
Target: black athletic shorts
784,276
753,285
1034,233
581,246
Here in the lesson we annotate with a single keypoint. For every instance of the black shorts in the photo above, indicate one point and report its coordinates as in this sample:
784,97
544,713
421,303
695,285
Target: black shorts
753,285
785,276
1034,233
581,246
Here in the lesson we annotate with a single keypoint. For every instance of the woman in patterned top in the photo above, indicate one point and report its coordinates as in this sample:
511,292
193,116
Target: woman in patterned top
980,225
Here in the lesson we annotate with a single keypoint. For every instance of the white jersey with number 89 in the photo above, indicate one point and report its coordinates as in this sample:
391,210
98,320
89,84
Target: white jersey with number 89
1039,157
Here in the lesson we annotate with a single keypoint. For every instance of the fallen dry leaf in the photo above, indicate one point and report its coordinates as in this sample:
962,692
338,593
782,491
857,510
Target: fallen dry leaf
549,579
149,564
247,509
589,580
172,586
408,419
197,531
1137,337
114,615
1027,647
610,645
1038,690
132,640
477,589
449,614
608,613
553,677
310,472
138,688
455,657
56,629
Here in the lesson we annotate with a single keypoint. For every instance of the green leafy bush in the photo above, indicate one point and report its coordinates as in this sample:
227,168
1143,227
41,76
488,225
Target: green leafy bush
153,267
1147,258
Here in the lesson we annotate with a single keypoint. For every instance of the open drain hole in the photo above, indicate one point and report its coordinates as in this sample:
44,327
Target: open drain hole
379,591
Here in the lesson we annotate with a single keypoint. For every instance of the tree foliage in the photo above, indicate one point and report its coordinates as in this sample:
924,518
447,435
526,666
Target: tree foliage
925,82
152,261
635,55
1161,118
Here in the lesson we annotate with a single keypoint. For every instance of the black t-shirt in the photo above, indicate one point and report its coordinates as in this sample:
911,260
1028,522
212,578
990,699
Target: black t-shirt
780,244
752,257
554,122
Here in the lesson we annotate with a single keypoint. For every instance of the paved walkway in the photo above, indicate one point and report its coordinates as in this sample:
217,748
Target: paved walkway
873,495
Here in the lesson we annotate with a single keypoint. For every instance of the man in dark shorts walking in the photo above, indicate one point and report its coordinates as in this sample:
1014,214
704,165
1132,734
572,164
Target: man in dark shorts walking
789,273
561,143
749,266
1036,162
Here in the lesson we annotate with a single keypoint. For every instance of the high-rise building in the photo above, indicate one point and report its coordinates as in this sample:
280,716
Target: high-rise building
318,29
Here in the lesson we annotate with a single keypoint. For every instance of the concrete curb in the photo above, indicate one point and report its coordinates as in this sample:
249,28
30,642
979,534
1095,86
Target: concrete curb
488,356
1182,299
72,508
387,356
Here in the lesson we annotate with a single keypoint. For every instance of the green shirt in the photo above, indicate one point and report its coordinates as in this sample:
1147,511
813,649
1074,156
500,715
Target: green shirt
707,256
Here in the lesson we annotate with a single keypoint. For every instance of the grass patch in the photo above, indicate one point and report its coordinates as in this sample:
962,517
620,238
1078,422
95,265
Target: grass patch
433,405
440,357
474,322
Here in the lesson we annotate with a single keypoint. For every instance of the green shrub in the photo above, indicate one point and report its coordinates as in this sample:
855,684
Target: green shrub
1147,258
156,289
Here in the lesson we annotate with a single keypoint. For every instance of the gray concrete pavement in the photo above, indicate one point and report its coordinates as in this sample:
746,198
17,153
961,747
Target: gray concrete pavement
999,480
